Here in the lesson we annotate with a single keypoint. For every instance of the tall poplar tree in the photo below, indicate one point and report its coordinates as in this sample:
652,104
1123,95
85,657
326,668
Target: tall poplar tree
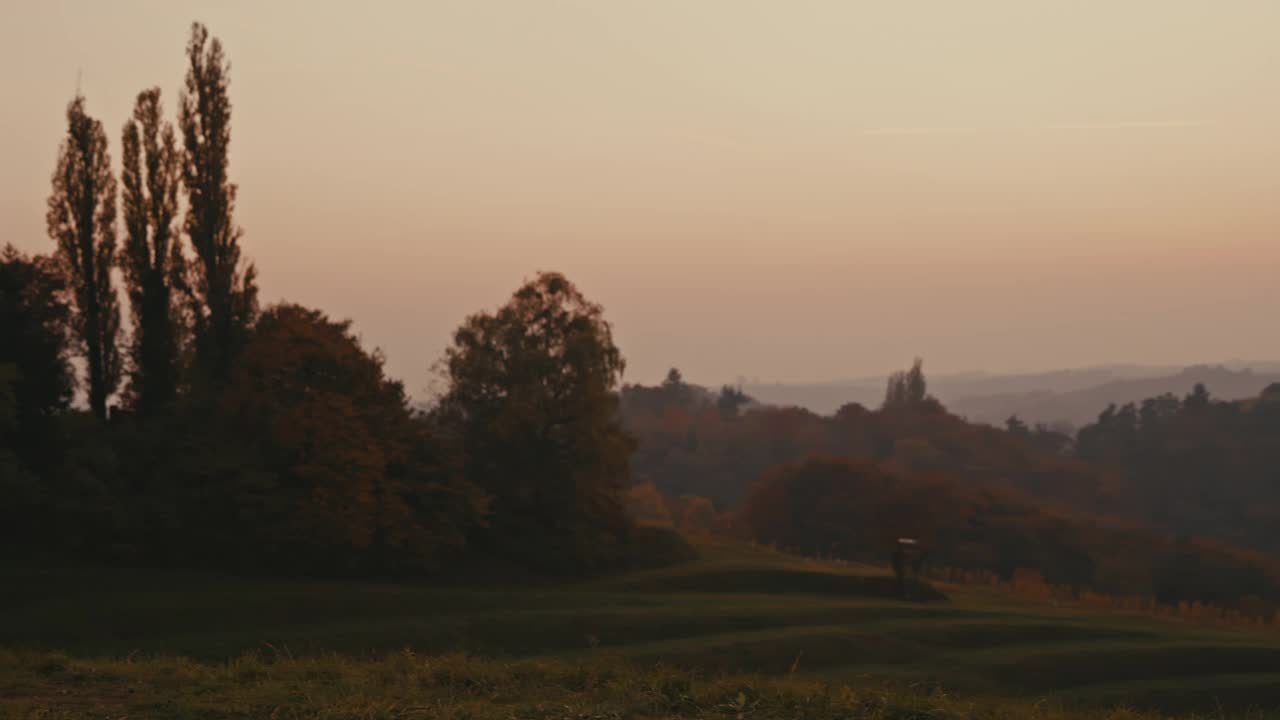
81,220
152,261
222,288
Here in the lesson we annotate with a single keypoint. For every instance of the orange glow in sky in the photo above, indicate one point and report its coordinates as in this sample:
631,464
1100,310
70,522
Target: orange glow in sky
777,190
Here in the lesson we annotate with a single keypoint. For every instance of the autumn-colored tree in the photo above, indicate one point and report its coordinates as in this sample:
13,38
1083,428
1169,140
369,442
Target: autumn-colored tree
856,509
645,503
352,484
222,288
696,515
532,395
152,262
81,221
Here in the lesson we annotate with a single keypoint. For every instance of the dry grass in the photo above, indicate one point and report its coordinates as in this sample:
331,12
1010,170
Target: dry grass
452,687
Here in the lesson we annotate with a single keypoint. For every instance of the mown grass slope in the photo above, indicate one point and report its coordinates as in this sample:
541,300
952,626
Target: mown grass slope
735,611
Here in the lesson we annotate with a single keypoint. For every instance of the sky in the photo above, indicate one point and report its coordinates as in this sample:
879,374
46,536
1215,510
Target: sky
776,191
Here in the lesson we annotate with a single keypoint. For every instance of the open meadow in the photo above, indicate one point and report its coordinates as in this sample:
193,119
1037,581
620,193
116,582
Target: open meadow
741,632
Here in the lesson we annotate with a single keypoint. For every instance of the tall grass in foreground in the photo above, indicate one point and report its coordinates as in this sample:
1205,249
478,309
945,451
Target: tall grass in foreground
274,684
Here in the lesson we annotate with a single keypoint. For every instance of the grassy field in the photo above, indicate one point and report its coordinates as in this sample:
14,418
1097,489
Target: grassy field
709,638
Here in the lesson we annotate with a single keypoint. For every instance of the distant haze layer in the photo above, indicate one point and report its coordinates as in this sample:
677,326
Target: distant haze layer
784,191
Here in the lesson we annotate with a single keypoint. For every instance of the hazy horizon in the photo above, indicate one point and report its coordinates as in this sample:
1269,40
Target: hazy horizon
796,192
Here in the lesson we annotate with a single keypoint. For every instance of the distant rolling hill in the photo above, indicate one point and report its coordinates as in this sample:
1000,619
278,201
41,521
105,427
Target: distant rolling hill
1082,406
1074,396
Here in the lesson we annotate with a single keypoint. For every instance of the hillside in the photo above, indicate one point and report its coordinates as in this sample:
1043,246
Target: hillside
1073,396
1171,498
837,507
1081,406
827,397
662,643
1194,465
690,447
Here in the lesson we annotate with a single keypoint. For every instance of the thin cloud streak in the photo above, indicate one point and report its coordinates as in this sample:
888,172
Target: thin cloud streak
1066,127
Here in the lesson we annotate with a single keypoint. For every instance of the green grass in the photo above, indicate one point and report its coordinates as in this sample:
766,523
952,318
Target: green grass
776,628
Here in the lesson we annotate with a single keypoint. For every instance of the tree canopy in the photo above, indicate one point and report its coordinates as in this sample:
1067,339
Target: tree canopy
348,477
532,398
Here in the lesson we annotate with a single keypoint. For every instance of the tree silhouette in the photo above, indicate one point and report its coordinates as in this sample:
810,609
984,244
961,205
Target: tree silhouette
917,389
81,220
532,398
222,287
731,400
34,319
907,388
152,262
343,450
1198,400
1015,426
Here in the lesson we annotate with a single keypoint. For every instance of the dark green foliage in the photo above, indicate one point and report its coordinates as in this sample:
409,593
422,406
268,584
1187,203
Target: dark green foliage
1193,466
81,221
34,347
36,382
8,398
152,261
532,401
222,289
650,546
18,485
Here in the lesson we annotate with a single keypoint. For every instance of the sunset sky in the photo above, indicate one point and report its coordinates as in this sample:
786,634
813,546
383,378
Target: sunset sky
775,190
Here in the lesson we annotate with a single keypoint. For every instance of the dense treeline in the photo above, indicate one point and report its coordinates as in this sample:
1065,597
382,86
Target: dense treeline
692,442
1194,465
985,498
270,439
842,508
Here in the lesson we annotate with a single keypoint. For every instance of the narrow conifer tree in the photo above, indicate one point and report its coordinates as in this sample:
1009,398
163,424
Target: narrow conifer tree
152,261
221,287
81,220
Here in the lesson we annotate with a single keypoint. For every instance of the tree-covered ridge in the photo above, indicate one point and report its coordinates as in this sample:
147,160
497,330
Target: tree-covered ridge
998,499
1194,465
687,445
